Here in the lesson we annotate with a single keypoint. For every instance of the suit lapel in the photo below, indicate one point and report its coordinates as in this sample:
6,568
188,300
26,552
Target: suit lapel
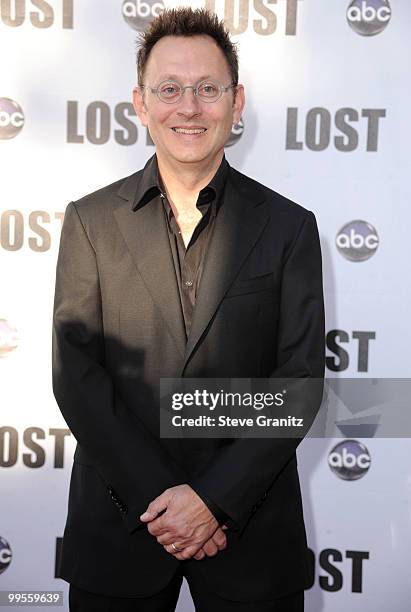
239,223
145,233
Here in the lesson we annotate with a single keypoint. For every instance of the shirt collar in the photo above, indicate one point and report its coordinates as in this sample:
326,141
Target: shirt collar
150,184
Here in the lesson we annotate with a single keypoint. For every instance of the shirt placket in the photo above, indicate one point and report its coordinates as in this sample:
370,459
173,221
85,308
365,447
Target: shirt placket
190,262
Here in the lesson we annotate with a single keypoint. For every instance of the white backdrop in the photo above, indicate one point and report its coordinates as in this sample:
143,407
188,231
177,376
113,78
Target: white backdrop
326,124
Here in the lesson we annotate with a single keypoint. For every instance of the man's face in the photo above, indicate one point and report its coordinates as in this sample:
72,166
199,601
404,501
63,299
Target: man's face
188,60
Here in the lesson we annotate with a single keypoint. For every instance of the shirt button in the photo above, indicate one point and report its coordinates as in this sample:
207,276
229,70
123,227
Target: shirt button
188,283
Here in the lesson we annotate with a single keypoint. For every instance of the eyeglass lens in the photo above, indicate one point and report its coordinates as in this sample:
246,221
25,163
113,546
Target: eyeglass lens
171,91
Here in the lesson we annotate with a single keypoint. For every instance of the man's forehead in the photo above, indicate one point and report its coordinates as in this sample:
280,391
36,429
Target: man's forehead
178,76
171,58
197,41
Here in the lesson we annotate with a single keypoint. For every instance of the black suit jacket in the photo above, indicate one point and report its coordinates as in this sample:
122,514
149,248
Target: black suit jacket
118,328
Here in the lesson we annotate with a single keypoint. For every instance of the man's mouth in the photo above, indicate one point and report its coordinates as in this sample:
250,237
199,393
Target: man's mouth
180,130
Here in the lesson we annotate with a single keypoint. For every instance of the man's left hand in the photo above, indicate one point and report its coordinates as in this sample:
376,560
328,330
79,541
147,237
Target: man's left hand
187,522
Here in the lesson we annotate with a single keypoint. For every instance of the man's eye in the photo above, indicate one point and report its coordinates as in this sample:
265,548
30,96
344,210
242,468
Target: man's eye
169,90
209,89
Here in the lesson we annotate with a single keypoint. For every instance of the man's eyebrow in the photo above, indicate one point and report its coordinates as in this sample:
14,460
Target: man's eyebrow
176,77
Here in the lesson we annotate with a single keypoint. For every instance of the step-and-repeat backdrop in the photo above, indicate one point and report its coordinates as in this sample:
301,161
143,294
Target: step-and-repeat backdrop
327,124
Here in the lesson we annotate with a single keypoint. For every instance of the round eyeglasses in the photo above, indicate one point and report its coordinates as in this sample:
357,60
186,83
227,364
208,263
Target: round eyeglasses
171,91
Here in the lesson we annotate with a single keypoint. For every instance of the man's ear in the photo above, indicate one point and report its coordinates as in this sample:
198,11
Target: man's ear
238,104
140,106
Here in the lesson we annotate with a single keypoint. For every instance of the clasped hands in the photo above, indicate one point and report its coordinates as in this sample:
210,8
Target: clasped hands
187,523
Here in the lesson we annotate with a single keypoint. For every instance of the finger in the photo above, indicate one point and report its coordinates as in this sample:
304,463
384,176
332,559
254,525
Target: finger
200,555
157,527
210,548
220,539
168,548
184,554
166,538
158,504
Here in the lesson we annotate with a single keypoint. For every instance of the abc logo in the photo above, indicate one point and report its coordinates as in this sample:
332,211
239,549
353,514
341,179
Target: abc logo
369,17
5,555
140,13
350,460
11,118
357,240
236,133
8,338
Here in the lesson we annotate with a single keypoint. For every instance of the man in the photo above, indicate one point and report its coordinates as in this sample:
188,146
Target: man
186,268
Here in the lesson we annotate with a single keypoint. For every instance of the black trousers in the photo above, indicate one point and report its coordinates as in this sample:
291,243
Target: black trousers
166,600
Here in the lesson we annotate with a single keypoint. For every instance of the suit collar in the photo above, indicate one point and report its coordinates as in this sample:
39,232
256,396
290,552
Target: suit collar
150,185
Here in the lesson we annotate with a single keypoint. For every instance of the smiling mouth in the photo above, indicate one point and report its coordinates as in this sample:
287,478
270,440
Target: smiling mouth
189,130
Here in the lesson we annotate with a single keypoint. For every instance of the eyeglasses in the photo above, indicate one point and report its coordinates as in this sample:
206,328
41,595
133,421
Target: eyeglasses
171,92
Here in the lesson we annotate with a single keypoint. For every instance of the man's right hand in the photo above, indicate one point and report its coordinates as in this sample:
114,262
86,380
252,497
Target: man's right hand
217,542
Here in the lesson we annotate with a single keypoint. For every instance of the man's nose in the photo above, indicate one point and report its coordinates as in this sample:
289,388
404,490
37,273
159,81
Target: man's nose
189,103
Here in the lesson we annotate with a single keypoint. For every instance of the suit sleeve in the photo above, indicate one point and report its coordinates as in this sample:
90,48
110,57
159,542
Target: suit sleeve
133,464
238,480
218,514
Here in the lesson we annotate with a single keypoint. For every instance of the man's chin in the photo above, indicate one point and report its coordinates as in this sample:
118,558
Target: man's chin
189,156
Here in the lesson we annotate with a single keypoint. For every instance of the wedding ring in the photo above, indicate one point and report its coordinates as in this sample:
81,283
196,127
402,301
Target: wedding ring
174,547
